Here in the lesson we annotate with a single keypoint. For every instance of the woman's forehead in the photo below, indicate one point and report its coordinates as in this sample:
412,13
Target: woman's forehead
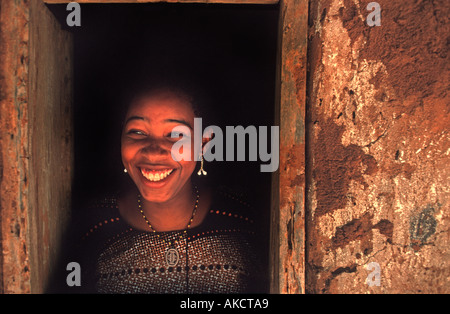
167,104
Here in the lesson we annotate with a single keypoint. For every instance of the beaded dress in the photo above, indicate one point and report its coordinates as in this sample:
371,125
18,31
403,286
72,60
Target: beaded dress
218,256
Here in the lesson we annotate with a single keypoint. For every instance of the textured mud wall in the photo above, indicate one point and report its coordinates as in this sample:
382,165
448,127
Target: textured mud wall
378,147
14,146
35,144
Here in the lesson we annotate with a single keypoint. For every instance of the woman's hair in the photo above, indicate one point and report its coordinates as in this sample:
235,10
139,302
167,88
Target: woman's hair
145,85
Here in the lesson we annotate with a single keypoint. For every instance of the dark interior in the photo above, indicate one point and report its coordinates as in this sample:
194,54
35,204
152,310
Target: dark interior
230,50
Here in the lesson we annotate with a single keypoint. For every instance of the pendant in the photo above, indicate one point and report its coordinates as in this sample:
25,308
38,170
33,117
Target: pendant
172,257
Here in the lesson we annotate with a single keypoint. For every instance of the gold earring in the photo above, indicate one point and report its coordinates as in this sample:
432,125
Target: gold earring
201,171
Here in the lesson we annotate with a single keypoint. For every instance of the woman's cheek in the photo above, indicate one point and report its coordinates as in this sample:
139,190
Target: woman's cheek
189,167
127,153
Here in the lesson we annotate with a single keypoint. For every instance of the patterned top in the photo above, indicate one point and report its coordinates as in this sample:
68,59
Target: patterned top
218,256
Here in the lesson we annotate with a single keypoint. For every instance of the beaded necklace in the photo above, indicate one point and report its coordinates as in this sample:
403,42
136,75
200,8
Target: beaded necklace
172,255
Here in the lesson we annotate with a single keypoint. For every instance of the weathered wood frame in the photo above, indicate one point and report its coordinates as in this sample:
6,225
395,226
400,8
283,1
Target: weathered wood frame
36,153
36,143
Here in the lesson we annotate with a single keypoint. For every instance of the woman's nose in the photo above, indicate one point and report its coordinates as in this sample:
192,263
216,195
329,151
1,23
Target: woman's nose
156,147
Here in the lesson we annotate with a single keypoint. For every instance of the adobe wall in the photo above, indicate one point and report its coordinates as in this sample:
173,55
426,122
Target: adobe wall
378,147
35,144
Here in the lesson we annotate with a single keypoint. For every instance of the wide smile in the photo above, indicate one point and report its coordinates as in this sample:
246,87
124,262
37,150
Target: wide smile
156,175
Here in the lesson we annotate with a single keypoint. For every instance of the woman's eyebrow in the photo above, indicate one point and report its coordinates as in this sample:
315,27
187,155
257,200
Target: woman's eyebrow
134,118
181,121
184,122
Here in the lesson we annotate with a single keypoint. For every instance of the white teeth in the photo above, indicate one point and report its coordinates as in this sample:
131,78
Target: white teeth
156,176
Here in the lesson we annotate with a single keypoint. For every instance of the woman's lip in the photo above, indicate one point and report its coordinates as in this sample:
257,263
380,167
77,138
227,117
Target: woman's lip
149,169
152,180
154,167
156,175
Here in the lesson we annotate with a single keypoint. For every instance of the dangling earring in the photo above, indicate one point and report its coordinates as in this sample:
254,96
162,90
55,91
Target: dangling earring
125,170
201,171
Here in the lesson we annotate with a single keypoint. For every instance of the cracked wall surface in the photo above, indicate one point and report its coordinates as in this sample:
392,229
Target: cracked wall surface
35,144
378,147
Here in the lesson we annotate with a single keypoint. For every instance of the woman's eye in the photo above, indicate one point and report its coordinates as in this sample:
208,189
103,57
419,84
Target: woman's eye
179,133
176,134
136,132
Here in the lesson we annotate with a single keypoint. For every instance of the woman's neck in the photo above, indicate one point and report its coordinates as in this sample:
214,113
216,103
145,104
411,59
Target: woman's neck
172,215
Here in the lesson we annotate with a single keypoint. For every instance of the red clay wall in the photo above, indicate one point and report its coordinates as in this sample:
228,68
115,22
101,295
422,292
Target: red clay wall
378,147
35,143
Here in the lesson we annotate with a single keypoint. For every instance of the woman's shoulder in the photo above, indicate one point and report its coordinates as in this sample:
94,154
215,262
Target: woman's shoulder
225,196
232,204
95,214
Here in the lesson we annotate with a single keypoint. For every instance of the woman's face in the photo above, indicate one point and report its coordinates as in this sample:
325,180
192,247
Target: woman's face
147,142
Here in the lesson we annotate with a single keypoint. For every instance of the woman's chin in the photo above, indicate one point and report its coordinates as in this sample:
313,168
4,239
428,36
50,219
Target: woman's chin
157,190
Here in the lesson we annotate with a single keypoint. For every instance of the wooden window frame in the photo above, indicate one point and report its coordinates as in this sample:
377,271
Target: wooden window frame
27,202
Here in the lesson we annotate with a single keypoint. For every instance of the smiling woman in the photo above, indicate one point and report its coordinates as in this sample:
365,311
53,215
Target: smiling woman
164,232
158,224
147,142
